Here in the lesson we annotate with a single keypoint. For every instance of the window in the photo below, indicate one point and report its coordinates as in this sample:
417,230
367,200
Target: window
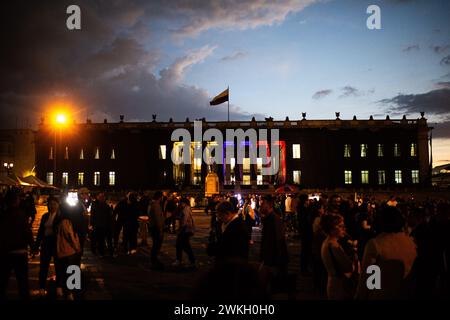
347,151
259,164
348,177
97,153
415,176
413,149
112,178
96,178
232,164
398,176
65,178
162,152
113,154
50,155
66,153
297,176
396,150
246,165
259,179
197,164
178,166
364,176
177,153
380,150
296,151
246,179
80,180
50,178
82,154
363,150
197,174
381,177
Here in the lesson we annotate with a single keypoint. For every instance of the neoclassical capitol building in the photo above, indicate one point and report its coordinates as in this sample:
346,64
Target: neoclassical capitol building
354,154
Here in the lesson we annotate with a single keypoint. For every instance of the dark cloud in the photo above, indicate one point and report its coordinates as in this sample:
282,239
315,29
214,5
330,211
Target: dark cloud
322,94
410,48
107,68
435,102
441,129
440,49
234,56
349,91
199,16
443,85
445,60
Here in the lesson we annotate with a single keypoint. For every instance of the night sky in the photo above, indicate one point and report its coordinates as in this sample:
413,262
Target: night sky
279,58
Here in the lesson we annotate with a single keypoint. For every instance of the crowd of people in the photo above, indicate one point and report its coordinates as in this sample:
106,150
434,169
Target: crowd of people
340,238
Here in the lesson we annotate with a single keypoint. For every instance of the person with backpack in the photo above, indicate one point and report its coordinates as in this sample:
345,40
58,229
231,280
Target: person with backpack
68,252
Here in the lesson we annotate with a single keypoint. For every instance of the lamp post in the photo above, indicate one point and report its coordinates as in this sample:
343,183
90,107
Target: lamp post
60,121
8,166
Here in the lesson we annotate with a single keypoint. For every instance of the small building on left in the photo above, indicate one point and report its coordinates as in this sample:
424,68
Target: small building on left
17,152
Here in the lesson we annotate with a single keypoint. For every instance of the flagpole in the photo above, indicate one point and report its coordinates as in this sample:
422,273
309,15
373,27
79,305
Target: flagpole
228,88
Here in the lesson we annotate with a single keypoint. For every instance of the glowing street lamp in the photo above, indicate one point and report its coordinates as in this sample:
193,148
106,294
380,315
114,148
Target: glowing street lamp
8,166
61,119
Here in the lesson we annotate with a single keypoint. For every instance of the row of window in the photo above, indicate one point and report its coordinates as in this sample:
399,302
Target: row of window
296,151
364,149
380,150
381,177
81,157
246,180
80,178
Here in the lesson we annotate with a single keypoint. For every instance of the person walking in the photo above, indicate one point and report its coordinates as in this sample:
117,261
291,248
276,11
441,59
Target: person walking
101,223
185,232
46,242
68,252
131,224
156,226
274,255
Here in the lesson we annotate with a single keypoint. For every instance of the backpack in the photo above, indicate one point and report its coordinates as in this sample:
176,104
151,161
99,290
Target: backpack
67,242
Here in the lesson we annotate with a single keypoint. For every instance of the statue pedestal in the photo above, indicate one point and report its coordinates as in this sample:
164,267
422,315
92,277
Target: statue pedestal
211,184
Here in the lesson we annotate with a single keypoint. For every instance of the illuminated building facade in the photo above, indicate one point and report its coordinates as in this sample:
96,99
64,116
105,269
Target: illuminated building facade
354,154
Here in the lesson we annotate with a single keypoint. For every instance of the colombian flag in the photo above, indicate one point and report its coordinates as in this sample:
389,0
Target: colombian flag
221,98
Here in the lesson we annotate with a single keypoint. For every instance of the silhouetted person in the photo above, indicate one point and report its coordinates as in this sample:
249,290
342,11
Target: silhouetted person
29,207
305,221
394,252
102,224
15,237
156,226
233,242
274,254
131,224
46,242
185,232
